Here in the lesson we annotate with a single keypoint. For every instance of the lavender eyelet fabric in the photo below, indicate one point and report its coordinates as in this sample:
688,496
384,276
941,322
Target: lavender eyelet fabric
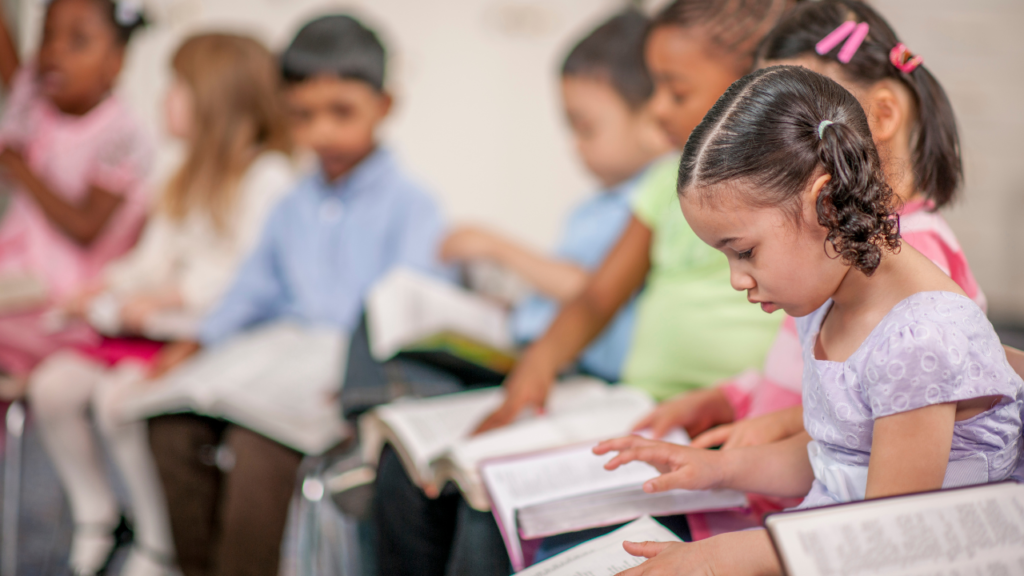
931,348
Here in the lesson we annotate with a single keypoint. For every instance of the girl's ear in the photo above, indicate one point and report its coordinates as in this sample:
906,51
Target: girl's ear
885,111
810,199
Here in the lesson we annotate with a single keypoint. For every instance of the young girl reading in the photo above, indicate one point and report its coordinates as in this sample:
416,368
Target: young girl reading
225,105
906,387
77,161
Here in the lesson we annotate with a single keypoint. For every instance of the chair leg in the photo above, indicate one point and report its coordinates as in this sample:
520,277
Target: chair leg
15,423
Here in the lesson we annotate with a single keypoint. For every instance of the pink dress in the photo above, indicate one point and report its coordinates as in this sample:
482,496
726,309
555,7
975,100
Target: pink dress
105,148
780,385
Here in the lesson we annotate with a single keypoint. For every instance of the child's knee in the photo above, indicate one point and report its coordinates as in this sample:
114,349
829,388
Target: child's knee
62,385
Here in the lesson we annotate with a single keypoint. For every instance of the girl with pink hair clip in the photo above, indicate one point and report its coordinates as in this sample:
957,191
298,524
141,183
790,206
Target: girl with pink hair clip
913,124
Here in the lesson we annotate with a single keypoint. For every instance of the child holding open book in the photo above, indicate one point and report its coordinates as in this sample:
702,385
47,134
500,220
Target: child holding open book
225,105
906,387
912,119
338,232
605,91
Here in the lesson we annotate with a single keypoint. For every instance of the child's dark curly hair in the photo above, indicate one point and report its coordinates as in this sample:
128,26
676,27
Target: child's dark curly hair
778,129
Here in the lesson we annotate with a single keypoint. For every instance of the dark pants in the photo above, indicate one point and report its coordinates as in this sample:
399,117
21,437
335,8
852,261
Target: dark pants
225,522
421,536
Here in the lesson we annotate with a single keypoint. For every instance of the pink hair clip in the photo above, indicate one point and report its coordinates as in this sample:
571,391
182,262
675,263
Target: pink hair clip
852,32
903,59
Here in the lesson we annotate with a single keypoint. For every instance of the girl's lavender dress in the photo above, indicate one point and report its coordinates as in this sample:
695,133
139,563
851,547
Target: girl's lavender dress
931,348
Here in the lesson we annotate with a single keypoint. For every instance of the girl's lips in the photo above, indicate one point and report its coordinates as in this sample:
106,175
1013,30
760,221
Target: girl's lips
769,307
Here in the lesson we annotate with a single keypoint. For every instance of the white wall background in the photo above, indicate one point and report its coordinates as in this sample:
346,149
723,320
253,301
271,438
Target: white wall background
478,114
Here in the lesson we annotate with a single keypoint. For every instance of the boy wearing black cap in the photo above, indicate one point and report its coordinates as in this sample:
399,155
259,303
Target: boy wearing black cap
323,247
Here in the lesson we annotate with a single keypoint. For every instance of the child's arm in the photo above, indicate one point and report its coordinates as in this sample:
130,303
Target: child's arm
755,431
556,279
82,223
779,469
910,451
620,275
9,60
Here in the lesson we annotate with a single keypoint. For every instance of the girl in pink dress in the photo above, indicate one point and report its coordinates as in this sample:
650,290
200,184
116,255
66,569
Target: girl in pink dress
76,161
912,120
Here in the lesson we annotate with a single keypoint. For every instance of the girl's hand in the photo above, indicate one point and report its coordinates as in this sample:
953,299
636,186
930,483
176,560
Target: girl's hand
171,356
695,411
469,243
141,307
680,466
753,431
747,552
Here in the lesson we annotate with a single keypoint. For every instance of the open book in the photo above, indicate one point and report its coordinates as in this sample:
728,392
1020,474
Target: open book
603,555
432,435
568,489
281,380
428,319
976,530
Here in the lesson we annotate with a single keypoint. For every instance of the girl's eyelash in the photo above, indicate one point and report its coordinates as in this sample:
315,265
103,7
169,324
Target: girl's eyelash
745,255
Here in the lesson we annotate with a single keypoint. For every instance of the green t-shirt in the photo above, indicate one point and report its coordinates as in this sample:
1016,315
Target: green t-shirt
692,329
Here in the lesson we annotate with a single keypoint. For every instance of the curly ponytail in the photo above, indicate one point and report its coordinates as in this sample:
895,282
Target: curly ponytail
856,205
767,131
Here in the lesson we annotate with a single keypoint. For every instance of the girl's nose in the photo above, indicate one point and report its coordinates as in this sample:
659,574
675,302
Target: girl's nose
741,281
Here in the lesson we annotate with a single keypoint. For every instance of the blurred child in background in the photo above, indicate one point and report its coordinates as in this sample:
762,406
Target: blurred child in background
225,105
605,89
691,328
906,386
78,161
336,234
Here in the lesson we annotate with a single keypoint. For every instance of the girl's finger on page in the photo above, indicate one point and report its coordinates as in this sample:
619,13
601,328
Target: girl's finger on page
618,444
714,437
661,426
644,549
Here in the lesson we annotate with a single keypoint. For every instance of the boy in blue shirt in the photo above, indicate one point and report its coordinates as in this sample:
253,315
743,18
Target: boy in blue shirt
323,247
605,89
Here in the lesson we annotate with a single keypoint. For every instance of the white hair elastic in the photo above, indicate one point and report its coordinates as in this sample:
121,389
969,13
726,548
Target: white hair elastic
821,128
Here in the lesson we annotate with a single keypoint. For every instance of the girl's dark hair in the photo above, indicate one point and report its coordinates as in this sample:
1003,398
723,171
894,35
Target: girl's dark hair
124,16
764,134
614,51
733,26
938,171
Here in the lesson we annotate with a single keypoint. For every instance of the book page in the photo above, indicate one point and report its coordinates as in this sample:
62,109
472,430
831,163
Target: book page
572,416
430,427
603,556
973,531
281,380
554,475
406,307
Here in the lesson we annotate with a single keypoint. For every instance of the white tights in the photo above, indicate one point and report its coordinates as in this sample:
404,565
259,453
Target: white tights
61,391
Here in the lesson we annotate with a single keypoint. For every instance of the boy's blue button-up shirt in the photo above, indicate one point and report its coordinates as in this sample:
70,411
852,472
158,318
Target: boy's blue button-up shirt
325,244
591,231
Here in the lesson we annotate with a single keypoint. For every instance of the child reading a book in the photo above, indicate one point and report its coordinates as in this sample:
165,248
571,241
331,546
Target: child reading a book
923,165
77,161
691,329
324,245
906,387
225,105
605,91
